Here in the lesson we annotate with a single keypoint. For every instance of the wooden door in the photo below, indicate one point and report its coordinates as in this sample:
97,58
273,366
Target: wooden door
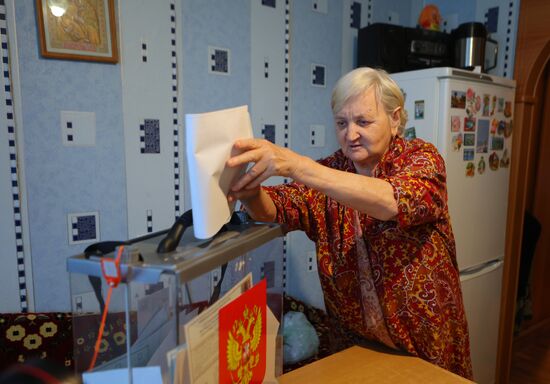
540,207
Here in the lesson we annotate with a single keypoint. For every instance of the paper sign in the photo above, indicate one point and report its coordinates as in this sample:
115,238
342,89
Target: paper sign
201,335
209,139
242,338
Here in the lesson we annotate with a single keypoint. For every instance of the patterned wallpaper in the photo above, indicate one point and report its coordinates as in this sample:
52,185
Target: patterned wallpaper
61,180
14,236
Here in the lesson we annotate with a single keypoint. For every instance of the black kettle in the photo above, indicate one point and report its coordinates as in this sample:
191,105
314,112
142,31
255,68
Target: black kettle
470,42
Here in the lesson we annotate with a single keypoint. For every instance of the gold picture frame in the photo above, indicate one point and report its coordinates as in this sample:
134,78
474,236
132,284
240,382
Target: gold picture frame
77,30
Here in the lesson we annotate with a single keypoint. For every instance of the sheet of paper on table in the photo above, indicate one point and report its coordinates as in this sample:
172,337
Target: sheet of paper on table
209,141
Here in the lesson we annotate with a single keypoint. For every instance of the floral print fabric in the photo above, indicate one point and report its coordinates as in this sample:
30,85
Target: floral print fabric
412,259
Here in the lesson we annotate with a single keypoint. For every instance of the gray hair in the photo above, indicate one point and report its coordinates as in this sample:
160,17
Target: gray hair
386,91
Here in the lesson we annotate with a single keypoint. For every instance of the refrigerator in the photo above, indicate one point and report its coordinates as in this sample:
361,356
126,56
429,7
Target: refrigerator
468,116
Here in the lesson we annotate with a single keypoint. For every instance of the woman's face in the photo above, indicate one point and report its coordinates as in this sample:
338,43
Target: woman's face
364,130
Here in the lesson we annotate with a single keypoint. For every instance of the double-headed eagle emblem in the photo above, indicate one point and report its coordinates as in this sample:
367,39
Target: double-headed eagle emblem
242,345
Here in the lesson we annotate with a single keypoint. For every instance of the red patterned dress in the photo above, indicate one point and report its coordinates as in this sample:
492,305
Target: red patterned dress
395,281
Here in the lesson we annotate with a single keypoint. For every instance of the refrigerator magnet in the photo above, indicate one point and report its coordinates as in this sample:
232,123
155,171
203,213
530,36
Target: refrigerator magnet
469,124
482,142
486,105
500,107
470,108
470,95
508,129
470,169
419,109
455,123
497,143
468,154
507,109
481,166
469,139
410,133
494,126
493,105
505,160
473,106
493,161
457,141
501,127
458,99
470,102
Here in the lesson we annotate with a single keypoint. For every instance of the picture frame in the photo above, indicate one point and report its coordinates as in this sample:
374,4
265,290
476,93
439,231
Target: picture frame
77,30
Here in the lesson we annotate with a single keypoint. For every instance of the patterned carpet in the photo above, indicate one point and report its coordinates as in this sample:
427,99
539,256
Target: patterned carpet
49,337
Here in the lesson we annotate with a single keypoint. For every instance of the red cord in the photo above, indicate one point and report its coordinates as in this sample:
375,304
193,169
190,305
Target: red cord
104,317
101,327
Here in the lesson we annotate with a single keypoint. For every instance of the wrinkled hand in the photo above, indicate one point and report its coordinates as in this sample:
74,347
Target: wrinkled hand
269,160
243,195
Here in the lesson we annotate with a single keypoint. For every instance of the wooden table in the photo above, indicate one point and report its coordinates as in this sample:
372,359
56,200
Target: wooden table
361,365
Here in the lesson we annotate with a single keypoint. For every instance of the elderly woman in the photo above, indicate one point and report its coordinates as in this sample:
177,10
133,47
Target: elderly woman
377,212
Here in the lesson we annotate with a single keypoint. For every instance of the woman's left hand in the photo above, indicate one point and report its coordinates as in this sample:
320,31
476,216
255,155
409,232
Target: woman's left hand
268,158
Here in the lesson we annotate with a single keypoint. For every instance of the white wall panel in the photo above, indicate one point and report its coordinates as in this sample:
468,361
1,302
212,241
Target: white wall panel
353,12
316,43
270,80
148,52
501,19
270,59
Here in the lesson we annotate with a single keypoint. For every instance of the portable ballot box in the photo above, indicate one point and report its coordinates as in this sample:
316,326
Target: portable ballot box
159,293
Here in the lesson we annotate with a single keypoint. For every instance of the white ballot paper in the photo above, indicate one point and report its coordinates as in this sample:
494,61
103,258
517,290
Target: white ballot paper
201,335
209,139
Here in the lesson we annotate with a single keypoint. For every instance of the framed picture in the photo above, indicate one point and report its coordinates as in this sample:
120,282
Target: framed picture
77,30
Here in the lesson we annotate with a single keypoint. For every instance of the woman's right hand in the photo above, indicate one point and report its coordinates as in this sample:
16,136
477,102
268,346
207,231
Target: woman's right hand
269,160
244,195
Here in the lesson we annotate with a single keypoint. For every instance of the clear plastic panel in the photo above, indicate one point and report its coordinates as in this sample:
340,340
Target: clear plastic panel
158,311
151,315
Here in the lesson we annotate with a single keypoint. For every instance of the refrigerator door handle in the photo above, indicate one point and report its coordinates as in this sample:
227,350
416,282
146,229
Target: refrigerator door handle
472,273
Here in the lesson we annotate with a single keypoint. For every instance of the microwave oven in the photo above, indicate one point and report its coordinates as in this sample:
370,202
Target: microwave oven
396,48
